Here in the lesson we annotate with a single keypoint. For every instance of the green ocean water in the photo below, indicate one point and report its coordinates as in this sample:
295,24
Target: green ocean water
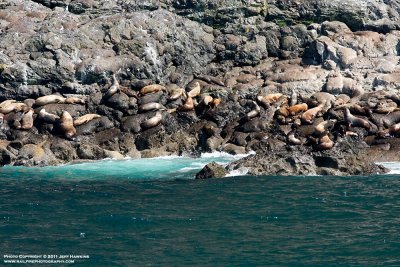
152,213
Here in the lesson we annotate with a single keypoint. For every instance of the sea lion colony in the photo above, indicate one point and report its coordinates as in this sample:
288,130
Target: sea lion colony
162,79
317,120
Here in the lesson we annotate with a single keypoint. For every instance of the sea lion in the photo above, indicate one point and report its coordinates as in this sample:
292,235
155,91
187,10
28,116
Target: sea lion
324,97
254,112
385,107
74,100
394,130
351,133
195,91
6,102
152,122
309,116
207,100
354,121
322,127
85,119
17,122
391,119
341,100
393,97
293,98
283,112
268,99
325,143
48,117
1,119
27,120
150,106
293,139
49,99
171,110
176,93
129,92
29,102
215,102
211,79
66,124
114,88
296,109
13,107
189,105
152,88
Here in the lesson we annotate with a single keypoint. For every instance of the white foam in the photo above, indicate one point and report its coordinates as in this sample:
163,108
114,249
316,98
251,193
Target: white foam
188,169
393,166
219,154
238,172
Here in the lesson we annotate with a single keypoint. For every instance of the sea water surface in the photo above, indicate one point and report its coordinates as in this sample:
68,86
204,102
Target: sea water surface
150,212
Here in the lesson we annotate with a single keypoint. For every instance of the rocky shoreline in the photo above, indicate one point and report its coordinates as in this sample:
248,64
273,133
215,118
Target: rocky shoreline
310,94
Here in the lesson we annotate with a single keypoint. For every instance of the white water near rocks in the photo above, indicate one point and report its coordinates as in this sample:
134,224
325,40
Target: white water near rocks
161,168
394,167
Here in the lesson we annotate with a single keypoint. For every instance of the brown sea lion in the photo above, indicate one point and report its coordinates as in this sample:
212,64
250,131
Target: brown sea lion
188,106
150,106
324,97
13,107
85,119
354,121
255,112
293,139
391,119
341,100
152,122
206,100
27,120
322,127
325,143
114,88
293,98
215,102
296,109
152,88
6,102
283,112
49,99
66,124
129,92
211,79
394,130
176,93
309,116
48,117
74,100
385,107
269,99
195,91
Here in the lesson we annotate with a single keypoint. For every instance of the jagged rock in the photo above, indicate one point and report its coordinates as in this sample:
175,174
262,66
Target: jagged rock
212,170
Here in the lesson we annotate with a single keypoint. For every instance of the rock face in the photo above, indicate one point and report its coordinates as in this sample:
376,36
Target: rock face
167,77
212,170
347,158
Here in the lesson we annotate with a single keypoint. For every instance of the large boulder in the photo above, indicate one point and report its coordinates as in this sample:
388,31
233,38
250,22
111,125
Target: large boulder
212,170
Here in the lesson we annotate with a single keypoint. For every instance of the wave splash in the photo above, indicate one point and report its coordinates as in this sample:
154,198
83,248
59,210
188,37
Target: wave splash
161,168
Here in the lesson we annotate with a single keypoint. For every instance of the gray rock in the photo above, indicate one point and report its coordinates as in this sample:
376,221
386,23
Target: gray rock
212,170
